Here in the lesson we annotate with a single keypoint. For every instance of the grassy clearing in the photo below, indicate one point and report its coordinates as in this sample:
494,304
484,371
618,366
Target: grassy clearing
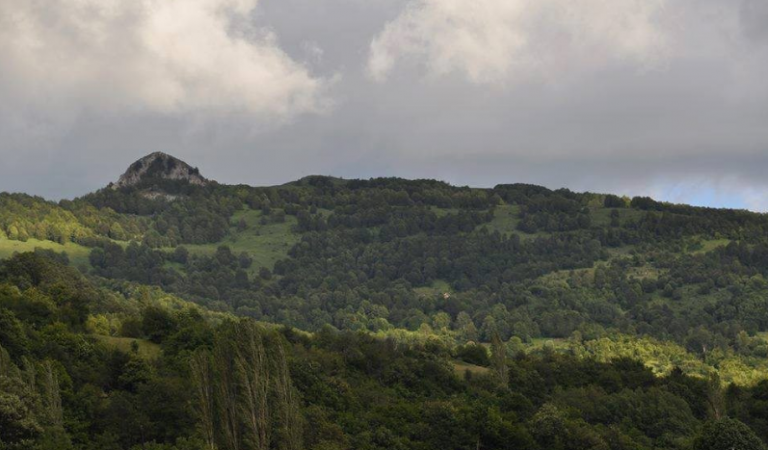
78,255
540,343
442,212
601,217
620,252
646,272
505,220
461,367
147,349
708,245
562,276
265,243
438,287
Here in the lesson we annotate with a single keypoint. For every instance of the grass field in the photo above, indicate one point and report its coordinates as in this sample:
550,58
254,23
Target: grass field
147,349
78,255
265,243
711,244
505,220
438,287
646,272
601,217
461,367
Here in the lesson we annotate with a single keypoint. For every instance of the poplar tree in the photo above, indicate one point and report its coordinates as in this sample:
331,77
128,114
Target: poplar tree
499,359
253,374
201,371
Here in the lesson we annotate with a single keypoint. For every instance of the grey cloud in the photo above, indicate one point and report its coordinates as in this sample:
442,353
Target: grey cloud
754,17
693,123
63,57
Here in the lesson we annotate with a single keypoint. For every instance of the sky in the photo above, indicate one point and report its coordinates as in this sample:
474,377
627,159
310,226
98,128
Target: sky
665,98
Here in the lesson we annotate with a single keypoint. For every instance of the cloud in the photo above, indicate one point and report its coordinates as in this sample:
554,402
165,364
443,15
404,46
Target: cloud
754,18
169,57
498,41
639,97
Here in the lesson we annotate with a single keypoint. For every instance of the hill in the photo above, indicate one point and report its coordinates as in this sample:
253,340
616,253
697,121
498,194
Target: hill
393,286
521,260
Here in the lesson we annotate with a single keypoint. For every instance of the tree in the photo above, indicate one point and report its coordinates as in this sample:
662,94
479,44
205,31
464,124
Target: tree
181,255
51,394
18,424
253,373
499,359
247,386
158,323
116,232
201,370
289,412
548,427
727,434
12,333
715,397
466,327
245,260
227,389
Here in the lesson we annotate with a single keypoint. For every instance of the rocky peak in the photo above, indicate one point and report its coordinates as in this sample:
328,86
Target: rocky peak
159,166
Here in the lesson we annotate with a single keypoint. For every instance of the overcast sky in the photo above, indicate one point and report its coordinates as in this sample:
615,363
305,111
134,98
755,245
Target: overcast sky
641,97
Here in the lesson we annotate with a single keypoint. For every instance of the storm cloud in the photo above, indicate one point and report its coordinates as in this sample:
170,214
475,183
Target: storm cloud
652,97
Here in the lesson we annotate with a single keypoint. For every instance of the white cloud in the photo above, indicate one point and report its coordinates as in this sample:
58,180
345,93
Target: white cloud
169,57
498,41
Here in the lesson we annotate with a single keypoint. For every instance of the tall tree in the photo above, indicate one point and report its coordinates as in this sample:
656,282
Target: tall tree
201,370
499,359
51,395
227,390
291,421
253,375
715,397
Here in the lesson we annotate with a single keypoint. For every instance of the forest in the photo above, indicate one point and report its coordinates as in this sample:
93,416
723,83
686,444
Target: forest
189,380
379,314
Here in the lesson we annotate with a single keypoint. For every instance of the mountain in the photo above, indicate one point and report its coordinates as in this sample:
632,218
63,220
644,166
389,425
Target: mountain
159,166
367,308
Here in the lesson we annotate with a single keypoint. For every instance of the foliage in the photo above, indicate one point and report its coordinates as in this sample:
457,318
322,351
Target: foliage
727,434
609,321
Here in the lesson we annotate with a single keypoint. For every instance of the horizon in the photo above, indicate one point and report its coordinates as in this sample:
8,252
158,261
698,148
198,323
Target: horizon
491,186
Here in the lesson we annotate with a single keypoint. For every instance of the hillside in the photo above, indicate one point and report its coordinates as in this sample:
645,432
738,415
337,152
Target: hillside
121,366
393,286
520,260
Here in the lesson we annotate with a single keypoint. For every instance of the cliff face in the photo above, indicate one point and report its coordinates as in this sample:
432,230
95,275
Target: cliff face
159,166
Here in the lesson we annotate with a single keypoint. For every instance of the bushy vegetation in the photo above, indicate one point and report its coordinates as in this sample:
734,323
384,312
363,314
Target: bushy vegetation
518,259
359,314
233,383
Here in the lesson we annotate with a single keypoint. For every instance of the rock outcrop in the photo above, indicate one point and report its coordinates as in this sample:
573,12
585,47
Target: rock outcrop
159,166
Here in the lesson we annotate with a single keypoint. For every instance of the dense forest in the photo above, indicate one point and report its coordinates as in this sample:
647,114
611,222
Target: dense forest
188,381
382,313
